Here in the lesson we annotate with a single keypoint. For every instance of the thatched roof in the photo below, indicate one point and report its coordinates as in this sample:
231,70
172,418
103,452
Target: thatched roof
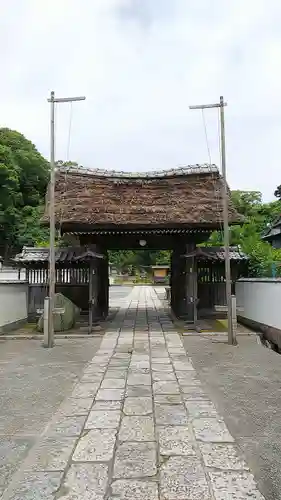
178,197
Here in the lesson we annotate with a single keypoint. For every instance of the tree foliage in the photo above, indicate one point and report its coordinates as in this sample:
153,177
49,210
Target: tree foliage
131,261
257,217
23,180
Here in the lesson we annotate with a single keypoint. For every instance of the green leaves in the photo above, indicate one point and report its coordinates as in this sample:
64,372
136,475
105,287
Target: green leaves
24,176
129,260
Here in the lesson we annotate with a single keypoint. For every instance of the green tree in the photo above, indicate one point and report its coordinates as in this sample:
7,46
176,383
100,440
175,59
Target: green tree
257,216
23,180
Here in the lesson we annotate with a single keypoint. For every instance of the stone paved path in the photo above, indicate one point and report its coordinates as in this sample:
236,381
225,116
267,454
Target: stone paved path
138,425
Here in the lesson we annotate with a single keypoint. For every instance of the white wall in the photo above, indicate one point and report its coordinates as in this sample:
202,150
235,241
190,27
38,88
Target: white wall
261,300
10,274
13,303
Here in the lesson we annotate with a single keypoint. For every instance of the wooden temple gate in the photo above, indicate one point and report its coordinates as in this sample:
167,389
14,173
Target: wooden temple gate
175,210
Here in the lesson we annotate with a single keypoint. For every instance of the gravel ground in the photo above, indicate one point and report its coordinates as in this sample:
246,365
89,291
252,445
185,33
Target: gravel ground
34,381
244,382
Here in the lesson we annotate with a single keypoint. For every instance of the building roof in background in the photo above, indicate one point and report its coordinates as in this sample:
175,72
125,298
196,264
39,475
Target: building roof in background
172,198
235,253
69,255
217,253
274,230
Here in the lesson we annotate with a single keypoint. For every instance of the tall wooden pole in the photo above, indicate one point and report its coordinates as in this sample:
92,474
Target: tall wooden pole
231,339
52,263
222,105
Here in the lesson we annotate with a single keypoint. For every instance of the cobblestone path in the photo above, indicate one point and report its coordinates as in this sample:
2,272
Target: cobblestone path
138,425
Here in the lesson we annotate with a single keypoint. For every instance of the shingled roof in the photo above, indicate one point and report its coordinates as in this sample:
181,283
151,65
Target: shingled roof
217,253
183,196
274,230
70,255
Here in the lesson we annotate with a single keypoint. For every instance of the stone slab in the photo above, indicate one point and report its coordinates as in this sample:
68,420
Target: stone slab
183,366
137,428
84,482
138,406
107,405
115,363
234,485
222,456
193,392
175,440
134,460
138,371
110,395
139,379
118,373
211,430
187,378
160,376
170,414
198,409
183,478
138,391
134,490
138,365
121,355
161,361
88,390
171,399
96,446
103,419
111,383
166,387
162,368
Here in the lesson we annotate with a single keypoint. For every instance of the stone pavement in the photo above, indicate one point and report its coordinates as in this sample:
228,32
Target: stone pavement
138,425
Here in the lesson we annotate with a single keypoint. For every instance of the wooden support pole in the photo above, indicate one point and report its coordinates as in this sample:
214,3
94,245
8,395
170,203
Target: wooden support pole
46,322
90,297
234,318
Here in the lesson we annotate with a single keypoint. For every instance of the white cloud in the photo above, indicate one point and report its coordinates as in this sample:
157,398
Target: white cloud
141,63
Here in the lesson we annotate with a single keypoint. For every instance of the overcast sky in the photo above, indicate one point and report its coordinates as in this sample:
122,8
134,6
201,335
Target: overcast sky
141,63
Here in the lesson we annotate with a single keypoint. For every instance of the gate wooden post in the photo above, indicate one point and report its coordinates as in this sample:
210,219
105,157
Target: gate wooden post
190,287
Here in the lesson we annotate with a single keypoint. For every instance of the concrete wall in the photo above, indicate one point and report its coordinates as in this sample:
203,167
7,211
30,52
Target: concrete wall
13,304
261,300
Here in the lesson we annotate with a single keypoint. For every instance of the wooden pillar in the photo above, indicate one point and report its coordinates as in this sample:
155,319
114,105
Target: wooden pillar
98,284
178,280
184,282
102,287
190,284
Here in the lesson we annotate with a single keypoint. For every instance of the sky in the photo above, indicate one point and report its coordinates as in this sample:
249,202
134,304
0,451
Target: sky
141,64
